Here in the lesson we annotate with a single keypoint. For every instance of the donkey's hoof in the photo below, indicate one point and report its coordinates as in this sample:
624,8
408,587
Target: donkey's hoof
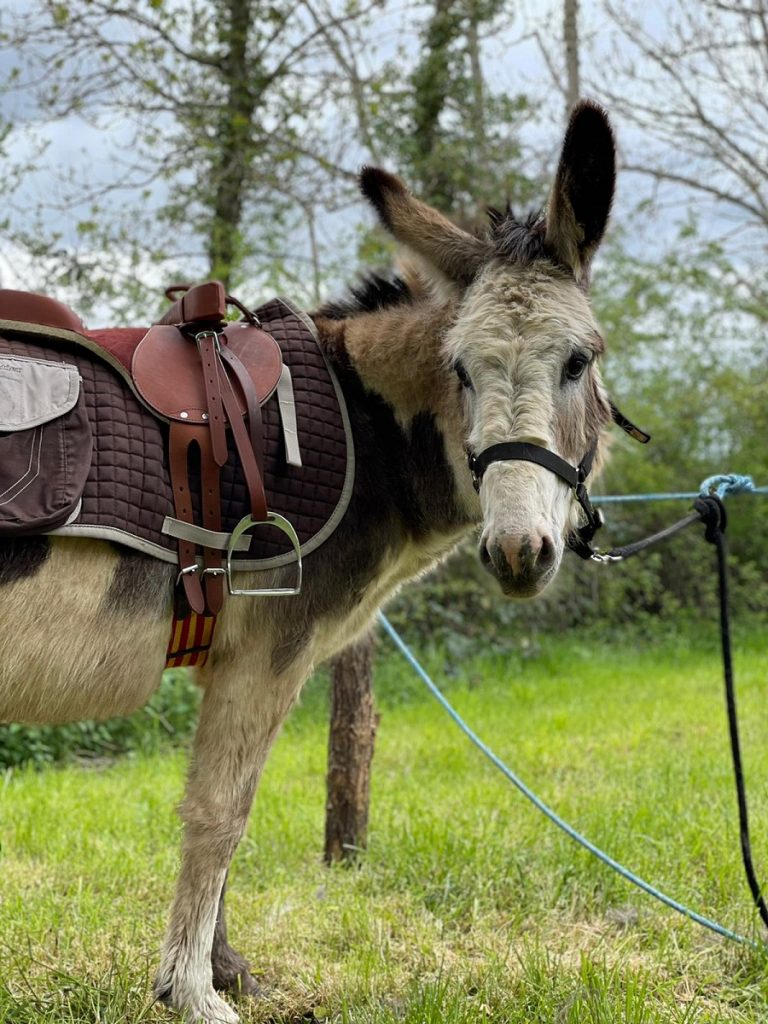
240,986
211,1009
231,974
207,1008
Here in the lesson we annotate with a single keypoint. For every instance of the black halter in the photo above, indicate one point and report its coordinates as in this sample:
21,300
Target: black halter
580,541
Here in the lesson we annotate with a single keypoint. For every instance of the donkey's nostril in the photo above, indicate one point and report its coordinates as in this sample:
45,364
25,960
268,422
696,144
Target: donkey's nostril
546,556
485,555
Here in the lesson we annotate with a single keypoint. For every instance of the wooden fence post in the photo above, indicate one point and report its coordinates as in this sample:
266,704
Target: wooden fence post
350,750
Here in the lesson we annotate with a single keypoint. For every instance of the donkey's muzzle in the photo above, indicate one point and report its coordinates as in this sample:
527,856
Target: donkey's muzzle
523,564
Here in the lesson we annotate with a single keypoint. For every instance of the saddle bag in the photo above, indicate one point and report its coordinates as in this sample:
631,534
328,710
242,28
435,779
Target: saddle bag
45,444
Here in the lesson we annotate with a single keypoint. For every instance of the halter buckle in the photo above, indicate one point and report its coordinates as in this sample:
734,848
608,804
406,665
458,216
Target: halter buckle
472,463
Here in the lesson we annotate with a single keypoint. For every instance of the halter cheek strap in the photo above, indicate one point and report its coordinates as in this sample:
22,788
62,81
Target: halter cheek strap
580,541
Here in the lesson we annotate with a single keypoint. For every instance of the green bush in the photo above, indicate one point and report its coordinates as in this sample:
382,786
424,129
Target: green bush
169,717
460,610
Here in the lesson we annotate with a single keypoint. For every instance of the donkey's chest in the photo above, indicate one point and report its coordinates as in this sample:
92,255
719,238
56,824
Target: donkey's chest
396,569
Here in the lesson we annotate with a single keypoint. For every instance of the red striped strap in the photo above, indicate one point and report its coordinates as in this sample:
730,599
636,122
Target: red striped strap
191,639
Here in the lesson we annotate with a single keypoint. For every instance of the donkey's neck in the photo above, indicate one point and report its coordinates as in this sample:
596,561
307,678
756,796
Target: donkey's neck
397,355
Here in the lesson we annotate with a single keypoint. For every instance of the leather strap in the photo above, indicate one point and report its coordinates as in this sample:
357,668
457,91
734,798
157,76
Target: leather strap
252,404
210,477
208,345
627,425
523,451
179,438
248,464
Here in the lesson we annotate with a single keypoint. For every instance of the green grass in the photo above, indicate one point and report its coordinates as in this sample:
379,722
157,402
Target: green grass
468,905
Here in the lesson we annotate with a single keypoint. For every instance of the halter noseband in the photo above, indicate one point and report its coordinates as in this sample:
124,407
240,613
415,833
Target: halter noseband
579,541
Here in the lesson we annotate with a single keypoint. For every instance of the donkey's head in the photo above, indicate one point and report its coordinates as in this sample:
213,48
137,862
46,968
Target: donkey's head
524,345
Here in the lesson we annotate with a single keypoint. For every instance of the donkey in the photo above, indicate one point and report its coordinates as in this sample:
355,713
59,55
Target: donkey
481,341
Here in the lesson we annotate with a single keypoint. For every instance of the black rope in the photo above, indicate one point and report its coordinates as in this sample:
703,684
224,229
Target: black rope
619,554
711,511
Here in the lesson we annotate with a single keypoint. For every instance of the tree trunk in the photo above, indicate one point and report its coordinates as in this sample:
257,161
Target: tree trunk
479,136
571,40
350,751
232,142
430,87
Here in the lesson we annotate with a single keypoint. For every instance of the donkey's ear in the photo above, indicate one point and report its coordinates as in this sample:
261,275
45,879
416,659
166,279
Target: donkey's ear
583,190
455,253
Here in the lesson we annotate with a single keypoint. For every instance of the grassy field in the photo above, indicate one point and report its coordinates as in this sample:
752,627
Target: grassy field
468,905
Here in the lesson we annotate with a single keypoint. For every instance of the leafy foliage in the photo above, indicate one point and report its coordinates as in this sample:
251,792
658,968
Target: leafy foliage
453,138
170,716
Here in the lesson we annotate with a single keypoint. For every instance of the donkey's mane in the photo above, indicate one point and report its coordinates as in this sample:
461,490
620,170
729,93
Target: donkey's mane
373,291
516,240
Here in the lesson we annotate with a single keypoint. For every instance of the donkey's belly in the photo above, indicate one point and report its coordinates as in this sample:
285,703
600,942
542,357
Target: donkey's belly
81,634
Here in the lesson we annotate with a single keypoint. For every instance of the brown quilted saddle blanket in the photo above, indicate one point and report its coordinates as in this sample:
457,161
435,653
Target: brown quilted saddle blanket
128,494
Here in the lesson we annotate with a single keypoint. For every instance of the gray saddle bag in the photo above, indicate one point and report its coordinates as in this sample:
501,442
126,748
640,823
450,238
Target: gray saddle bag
45,444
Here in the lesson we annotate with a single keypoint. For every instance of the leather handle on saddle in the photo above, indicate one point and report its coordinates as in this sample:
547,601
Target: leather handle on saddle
176,289
201,304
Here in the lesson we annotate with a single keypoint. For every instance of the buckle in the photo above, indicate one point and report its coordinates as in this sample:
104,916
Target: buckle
474,468
188,571
205,335
248,523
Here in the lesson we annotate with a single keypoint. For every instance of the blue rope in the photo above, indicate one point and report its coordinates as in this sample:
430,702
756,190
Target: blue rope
546,810
723,486
726,484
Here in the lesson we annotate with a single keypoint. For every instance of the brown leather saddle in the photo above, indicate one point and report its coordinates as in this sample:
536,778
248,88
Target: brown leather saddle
207,378
204,375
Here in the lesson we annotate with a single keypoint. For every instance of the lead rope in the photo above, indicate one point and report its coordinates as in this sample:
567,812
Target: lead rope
548,812
715,535
709,510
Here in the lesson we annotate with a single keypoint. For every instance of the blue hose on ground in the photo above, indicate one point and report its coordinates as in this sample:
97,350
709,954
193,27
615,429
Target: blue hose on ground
555,818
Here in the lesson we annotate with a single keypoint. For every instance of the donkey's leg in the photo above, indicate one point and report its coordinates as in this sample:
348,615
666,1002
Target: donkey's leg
230,969
241,714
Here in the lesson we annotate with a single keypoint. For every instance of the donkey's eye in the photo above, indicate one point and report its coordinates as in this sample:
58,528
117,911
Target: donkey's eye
576,366
462,374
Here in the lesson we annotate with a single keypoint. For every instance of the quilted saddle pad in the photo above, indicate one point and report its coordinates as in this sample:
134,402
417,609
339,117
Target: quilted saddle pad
127,495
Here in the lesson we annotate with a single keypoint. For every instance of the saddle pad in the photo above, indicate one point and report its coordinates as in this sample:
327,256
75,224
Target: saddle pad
128,494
